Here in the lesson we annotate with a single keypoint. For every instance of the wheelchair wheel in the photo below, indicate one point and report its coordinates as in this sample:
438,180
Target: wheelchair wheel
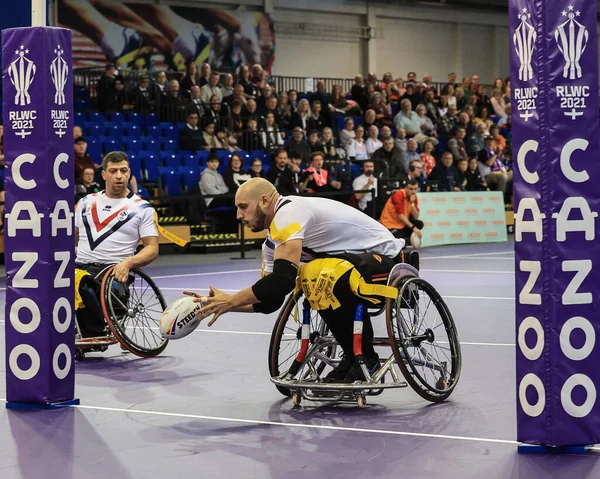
132,312
423,338
286,340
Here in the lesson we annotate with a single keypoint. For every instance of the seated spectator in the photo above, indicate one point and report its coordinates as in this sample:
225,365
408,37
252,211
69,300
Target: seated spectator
400,141
284,110
82,159
295,165
173,108
302,117
316,177
401,212
322,96
256,169
250,112
484,117
227,86
238,94
190,136
281,175
442,107
228,142
357,90
412,95
211,140
456,145
118,101
211,89
462,167
195,103
216,112
243,79
358,147
314,143
388,161
450,89
347,134
318,120
373,144
293,100
427,158
212,183
410,154
407,119
498,103
76,132
250,139
328,142
365,100
190,78
476,142
498,139
491,166
415,172
445,174
236,119
87,184
159,87
266,92
385,133
296,143
475,181
365,182
270,136
383,117
106,87
427,128
235,174
430,107
447,123
340,105
142,97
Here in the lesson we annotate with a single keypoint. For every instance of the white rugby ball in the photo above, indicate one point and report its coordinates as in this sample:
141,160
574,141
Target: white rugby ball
415,241
179,319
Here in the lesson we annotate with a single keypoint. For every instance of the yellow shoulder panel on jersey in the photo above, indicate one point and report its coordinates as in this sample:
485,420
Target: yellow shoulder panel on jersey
283,234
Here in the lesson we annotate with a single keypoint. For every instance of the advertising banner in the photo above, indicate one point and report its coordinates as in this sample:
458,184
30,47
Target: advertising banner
554,72
38,235
462,217
151,36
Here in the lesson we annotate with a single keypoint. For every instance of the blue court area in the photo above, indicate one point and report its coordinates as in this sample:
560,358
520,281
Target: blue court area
206,407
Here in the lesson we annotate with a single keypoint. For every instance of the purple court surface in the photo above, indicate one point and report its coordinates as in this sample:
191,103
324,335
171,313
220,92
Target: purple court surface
206,408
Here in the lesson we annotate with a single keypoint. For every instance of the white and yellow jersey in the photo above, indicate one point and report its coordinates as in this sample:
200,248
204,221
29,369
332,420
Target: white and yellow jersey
110,229
326,227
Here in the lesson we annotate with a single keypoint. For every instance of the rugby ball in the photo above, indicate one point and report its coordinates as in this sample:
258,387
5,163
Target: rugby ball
415,241
179,319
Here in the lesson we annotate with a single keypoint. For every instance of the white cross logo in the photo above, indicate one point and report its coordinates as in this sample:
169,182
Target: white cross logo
573,113
526,116
23,133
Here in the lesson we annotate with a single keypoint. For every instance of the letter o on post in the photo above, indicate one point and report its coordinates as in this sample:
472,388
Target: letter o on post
15,321
62,349
531,323
567,348
532,410
565,395
24,374
62,303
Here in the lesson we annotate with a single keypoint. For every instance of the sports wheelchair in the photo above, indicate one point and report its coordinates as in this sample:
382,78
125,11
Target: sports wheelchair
420,332
132,313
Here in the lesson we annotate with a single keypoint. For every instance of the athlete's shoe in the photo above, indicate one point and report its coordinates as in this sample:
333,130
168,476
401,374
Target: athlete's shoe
412,258
356,372
342,369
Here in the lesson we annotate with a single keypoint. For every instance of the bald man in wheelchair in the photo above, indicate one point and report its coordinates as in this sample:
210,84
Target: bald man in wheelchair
109,226
337,255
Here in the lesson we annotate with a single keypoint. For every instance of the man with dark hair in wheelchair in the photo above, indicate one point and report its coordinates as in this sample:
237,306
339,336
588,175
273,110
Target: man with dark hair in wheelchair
109,226
344,254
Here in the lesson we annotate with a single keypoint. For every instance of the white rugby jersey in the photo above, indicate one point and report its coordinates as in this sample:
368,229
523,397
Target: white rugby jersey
111,228
326,227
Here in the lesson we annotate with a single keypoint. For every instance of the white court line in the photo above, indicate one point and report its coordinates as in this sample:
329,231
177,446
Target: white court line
502,298
474,255
465,271
292,425
206,274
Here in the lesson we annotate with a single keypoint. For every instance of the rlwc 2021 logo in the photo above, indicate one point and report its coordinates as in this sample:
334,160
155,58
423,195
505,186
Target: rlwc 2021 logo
22,73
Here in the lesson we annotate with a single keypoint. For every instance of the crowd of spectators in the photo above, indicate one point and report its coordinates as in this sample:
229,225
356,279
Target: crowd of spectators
378,136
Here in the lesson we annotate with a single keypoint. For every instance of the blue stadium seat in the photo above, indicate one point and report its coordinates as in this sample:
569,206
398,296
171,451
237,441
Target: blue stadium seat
257,154
131,144
266,168
170,158
340,121
190,160
171,180
150,144
94,148
80,118
82,105
172,134
224,156
167,144
151,163
165,125
190,177
143,193
358,120
355,170
117,117
81,93
97,117
153,131
113,130
151,119
202,156
93,129
132,130
111,144
135,163
134,117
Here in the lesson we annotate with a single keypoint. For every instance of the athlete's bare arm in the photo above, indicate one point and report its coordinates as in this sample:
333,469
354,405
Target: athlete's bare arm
144,257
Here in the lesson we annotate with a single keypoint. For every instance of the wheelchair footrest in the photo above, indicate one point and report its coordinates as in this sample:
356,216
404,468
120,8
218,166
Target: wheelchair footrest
336,387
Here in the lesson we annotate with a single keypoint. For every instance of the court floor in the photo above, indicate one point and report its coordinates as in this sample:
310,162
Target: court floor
206,408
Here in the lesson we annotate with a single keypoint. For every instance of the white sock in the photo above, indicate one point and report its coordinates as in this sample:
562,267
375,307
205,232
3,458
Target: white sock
113,42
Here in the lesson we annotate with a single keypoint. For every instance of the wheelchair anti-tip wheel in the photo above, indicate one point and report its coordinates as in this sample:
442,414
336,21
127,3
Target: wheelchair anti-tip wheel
132,311
423,338
286,341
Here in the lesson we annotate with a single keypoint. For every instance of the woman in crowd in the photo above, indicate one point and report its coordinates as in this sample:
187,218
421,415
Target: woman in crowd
256,169
270,137
427,157
303,116
235,174
357,148
373,144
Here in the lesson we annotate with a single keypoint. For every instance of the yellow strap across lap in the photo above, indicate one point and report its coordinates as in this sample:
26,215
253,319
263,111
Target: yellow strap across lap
317,279
173,238
79,275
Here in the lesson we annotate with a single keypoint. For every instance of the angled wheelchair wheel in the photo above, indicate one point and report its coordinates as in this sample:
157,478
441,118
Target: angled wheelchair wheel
423,338
286,340
132,312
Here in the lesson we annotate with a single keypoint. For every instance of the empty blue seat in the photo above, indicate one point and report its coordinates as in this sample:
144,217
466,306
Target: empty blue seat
167,144
113,130
97,117
82,105
358,120
153,131
151,119
170,158
134,117
80,118
190,177
165,125
93,129
111,144
171,180
131,144
132,129
150,144
117,117
135,163
202,156
94,149
190,160
150,163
